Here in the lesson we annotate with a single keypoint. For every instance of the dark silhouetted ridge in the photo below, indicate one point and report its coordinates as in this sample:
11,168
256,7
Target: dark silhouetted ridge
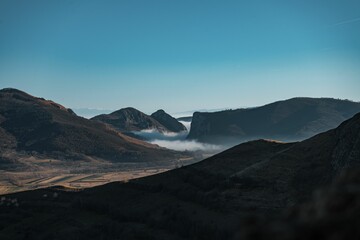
288,120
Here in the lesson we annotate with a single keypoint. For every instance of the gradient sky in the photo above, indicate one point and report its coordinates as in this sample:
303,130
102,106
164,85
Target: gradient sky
180,55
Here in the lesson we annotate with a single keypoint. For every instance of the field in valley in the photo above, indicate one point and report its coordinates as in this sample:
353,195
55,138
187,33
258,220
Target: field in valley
33,173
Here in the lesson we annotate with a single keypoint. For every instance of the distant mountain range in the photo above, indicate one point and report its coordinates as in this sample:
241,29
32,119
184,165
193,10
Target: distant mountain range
185,119
37,126
130,119
240,193
289,120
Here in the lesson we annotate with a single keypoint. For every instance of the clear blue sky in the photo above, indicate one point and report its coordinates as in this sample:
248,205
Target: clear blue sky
180,55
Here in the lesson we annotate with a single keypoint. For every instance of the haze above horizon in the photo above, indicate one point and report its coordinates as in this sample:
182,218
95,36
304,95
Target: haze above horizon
180,55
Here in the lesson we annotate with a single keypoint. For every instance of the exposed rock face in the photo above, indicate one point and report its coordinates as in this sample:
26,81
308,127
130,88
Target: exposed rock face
289,120
130,119
168,121
200,127
34,124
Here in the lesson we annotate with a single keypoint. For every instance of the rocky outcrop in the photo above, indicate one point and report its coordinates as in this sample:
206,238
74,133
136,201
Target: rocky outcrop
289,120
170,123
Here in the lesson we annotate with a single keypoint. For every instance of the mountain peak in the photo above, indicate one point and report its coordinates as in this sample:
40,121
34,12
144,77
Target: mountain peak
43,126
130,109
11,90
168,121
160,111
130,119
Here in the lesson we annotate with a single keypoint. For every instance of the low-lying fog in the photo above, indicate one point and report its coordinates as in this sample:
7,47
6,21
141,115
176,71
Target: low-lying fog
177,141
186,124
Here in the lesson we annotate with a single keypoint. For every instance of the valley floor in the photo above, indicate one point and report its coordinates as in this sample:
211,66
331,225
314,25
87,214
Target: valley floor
33,173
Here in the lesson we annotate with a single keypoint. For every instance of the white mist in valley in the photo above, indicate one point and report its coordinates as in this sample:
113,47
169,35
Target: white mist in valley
187,145
177,141
152,134
187,124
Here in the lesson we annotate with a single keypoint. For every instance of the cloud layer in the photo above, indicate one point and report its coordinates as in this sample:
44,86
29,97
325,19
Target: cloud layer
186,124
187,145
177,141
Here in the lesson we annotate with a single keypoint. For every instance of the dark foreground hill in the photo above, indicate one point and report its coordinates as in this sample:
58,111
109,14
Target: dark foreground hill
332,213
131,119
240,193
290,120
34,125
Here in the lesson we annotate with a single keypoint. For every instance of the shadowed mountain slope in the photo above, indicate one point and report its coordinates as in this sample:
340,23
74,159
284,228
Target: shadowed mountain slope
207,200
289,120
33,124
170,123
331,213
130,119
